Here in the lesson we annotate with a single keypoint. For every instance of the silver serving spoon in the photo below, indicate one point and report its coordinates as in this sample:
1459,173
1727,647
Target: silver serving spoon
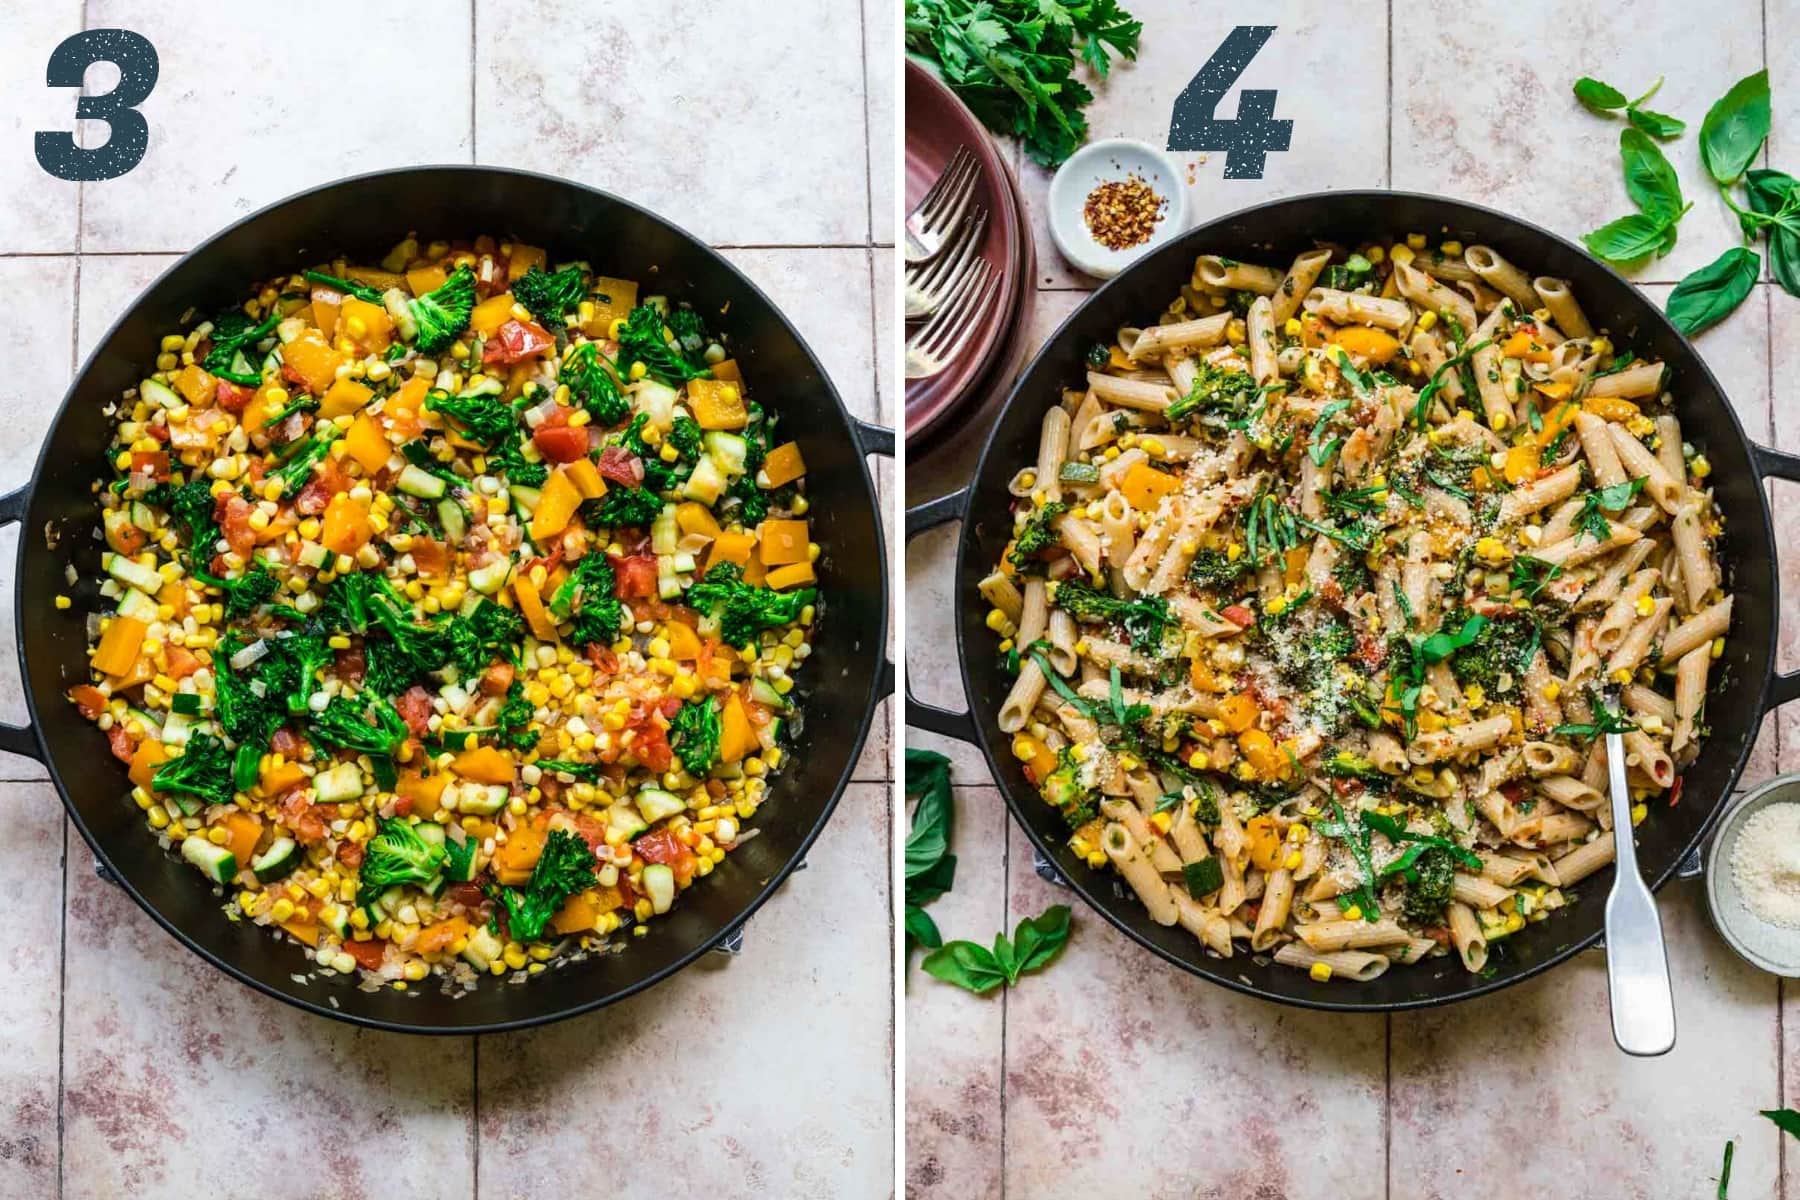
1637,963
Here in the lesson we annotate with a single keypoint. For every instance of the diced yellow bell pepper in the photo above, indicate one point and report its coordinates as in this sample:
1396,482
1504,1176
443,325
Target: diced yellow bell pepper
556,507
691,517
344,397
613,300
484,764
717,404
347,527
119,645
148,756
425,279
491,314
586,478
531,606
367,444
1145,486
195,386
366,324
792,575
783,464
733,547
736,738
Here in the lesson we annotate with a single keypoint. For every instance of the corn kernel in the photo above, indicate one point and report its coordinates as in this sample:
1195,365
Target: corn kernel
1320,972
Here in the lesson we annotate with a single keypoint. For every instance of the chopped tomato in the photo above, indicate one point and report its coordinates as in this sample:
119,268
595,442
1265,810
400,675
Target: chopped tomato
516,340
561,443
1237,614
634,576
327,482
414,707
496,679
1675,791
664,847
286,742
603,658
231,397
295,379
298,814
590,831
352,665
233,514
468,895
159,431
182,662
668,706
403,806
1514,792
154,463
350,854
1371,651
120,742
368,955
652,747
621,466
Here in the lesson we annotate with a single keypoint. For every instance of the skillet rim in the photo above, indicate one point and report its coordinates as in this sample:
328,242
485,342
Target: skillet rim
21,501
1003,768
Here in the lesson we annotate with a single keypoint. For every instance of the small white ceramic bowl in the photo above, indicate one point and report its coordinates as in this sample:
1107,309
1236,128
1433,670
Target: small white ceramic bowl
1114,160
1773,948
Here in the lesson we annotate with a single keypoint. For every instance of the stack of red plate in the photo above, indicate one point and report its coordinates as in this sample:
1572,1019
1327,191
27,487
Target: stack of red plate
937,123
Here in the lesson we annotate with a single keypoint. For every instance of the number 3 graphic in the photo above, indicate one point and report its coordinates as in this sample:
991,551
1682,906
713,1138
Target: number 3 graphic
128,133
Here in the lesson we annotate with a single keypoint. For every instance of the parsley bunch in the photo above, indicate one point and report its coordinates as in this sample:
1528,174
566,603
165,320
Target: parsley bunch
1013,62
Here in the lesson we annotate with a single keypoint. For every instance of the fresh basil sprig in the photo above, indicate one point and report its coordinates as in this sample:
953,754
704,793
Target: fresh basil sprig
1035,941
1653,186
930,867
1735,128
1603,98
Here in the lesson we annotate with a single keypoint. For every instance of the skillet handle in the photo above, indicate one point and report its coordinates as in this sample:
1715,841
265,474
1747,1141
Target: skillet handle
943,721
878,440
1779,464
18,739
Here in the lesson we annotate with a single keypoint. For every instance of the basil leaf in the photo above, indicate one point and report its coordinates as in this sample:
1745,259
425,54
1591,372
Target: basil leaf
966,965
921,929
933,882
1657,125
1772,194
1038,939
1628,238
1708,295
1441,645
1649,179
1599,96
1203,878
1735,128
928,840
1616,497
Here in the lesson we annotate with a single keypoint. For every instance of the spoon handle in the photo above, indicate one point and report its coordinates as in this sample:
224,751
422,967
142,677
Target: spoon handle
1637,963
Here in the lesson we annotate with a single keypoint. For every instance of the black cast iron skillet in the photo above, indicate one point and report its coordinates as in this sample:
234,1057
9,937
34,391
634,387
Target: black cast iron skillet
362,218
1745,685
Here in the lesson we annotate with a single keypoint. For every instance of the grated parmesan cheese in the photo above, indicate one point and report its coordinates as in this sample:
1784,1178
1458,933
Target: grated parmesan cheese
1765,864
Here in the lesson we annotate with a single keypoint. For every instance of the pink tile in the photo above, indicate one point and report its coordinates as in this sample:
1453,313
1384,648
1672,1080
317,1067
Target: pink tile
953,1038
1527,1086
37,210
670,113
1482,109
765,1075
31,875
110,284
176,1077
827,295
881,23
1128,1077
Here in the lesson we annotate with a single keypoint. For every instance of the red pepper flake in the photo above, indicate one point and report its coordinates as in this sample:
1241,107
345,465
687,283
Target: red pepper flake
1123,213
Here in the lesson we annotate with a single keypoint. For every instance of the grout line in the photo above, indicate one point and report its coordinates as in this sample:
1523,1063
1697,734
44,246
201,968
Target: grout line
1390,93
862,45
473,74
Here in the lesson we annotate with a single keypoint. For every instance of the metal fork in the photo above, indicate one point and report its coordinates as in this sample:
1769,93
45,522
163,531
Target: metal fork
936,215
1637,965
928,285
947,334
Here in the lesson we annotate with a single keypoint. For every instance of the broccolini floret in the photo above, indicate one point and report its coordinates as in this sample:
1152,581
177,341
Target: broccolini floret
203,771
694,735
564,868
234,334
443,313
367,725
1145,619
743,610
643,340
396,855
592,385
1037,535
549,295
623,506
587,596
1428,893
1063,789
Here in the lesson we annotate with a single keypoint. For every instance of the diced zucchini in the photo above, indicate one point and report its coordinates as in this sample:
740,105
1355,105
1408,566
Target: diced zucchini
481,799
525,499
763,692
727,450
483,948
777,728
430,832
450,516
117,522
277,862
1079,472
176,728
658,401
337,919
491,578
341,783
656,804
313,555
706,484
668,583
624,817
133,574
142,515
215,862
490,385
135,604
185,703
665,534
684,563
466,873
417,481
160,394
659,885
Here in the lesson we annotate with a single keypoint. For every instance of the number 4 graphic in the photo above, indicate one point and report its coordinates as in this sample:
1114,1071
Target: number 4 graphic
1254,133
